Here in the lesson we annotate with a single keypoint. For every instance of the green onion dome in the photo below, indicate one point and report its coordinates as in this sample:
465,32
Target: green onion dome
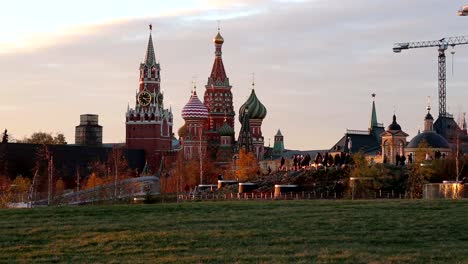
256,110
226,130
182,131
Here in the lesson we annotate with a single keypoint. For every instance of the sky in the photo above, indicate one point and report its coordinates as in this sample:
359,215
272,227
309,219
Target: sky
316,62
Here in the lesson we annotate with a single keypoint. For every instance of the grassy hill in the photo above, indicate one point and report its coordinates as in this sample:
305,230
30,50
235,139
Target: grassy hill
243,232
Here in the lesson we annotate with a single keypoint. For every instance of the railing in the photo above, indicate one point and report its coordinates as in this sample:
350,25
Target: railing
357,132
289,196
128,188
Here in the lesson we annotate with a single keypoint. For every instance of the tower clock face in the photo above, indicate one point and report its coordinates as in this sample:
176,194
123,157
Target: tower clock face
144,98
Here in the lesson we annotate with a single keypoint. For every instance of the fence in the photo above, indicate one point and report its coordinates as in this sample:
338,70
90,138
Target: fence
124,189
212,196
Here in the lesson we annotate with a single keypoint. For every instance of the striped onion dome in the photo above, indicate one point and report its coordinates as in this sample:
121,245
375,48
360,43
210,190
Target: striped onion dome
194,109
226,130
256,110
182,130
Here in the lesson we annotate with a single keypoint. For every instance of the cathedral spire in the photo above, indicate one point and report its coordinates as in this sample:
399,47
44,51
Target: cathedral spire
373,122
218,73
150,57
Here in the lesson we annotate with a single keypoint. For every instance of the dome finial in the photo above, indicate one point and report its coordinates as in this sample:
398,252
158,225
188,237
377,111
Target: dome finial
428,104
150,27
218,39
253,80
194,85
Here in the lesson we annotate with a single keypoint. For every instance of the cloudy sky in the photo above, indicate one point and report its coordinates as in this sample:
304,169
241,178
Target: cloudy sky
316,62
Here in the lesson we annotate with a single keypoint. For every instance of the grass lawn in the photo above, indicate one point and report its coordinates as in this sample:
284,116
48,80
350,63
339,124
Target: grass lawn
240,232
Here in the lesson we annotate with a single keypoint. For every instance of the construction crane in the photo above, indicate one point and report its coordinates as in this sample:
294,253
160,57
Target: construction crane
442,46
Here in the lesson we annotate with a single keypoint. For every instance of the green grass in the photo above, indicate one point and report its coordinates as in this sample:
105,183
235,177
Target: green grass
240,232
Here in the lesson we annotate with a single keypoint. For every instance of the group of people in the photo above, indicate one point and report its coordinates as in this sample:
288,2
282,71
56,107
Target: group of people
328,160
400,160
321,160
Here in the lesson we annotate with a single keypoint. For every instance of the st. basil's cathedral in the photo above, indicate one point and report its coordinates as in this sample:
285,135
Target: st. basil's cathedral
209,125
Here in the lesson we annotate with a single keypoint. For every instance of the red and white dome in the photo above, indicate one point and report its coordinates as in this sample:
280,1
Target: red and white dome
194,109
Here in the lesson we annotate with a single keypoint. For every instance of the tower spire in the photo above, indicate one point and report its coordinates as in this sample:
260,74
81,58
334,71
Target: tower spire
373,122
218,73
150,57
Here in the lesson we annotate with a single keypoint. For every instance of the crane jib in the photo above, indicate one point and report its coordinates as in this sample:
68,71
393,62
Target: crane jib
452,41
442,45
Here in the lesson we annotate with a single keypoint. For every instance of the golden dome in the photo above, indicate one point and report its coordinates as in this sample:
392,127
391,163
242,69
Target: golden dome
218,39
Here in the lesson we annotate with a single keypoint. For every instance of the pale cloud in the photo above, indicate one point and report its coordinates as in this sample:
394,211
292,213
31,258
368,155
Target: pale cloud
316,64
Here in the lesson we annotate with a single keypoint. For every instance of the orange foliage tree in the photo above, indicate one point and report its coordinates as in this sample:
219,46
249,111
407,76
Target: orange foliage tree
186,174
93,181
247,166
59,187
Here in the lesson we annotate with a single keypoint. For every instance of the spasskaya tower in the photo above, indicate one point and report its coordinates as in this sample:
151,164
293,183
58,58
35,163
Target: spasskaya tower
149,124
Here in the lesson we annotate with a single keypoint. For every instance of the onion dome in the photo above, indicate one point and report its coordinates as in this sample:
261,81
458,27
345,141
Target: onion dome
182,131
256,110
218,39
194,109
226,130
429,116
394,126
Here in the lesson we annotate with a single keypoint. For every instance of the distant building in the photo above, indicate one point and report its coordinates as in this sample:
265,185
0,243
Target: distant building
278,147
433,141
366,141
89,132
209,125
393,143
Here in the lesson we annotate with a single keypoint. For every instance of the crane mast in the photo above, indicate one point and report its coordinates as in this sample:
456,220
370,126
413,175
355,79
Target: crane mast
442,46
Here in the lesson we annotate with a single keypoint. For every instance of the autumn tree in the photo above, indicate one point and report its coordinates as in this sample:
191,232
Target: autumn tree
59,187
247,166
186,174
93,181
45,139
419,172
20,188
364,176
